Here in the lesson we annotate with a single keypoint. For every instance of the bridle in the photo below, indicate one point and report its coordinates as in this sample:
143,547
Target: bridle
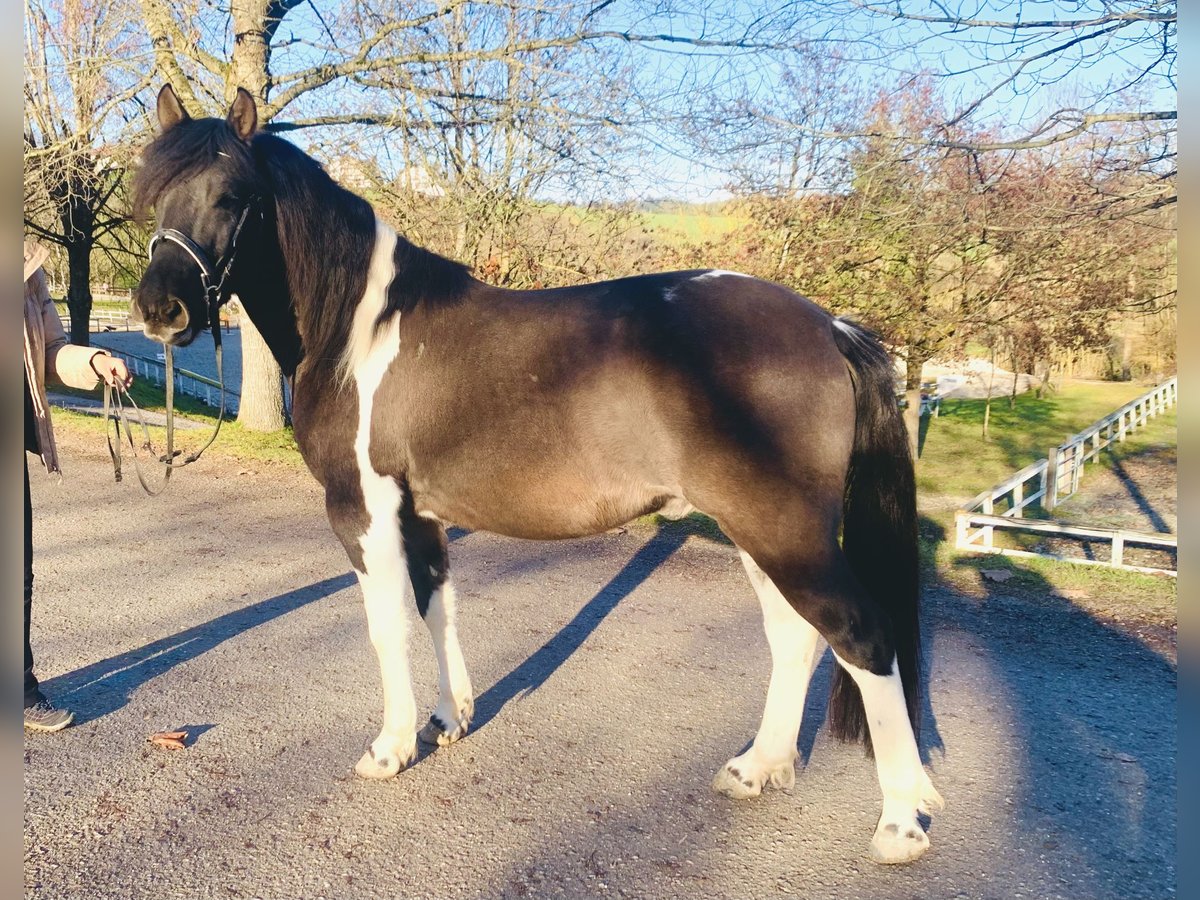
212,278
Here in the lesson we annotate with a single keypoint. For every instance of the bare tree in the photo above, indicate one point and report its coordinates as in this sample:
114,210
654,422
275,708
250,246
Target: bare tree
85,63
414,69
1101,73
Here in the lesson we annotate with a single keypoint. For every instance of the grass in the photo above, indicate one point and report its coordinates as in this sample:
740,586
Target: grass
1111,593
98,305
693,226
235,441
957,463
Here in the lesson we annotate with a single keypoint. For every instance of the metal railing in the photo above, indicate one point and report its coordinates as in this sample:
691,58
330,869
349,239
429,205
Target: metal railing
1055,478
190,383
103,320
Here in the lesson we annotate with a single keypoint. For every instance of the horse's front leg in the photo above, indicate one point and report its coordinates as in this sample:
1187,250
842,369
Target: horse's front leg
429,569
370,532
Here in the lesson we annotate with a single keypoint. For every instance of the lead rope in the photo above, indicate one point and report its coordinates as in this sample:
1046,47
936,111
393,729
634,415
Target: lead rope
213,296
116,395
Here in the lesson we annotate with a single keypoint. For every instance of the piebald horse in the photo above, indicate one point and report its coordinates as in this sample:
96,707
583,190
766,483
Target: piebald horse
422,397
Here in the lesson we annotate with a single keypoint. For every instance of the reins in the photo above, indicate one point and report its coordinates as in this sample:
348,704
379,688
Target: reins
215,296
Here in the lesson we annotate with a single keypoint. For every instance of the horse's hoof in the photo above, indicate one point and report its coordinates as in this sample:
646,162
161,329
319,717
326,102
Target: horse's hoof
896,842
931,801
437,733
434,734
378,764
743,778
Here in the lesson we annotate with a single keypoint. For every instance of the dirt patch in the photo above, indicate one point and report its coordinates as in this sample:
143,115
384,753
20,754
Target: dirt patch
1132,491
1137,492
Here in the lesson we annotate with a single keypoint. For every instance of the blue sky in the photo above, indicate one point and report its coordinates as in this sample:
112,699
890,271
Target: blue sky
1112,72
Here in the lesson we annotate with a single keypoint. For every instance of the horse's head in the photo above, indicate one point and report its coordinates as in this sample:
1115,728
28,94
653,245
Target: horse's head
200,178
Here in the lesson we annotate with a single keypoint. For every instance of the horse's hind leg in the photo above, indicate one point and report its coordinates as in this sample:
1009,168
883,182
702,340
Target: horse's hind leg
429,569
907,790
817,582
795,649
456,702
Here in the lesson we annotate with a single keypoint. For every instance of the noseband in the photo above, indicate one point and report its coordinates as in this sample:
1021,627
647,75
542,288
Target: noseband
212,278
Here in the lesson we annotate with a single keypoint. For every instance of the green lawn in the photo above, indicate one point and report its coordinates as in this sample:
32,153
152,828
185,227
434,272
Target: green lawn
956,464
234,440
97,304
694,226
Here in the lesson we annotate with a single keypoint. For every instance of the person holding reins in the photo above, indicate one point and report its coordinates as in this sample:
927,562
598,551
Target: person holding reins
49,356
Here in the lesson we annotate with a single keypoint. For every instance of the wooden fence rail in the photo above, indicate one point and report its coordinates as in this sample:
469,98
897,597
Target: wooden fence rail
1055,478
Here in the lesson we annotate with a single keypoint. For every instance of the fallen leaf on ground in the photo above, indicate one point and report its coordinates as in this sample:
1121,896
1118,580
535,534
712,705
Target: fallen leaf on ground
996,574
169,740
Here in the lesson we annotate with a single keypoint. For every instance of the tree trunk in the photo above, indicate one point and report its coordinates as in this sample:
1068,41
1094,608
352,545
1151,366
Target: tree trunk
79,290
912,396
261,406
1012,398
987,404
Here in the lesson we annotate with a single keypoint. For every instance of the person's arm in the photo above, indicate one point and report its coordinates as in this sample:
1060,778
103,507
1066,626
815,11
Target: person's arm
70,364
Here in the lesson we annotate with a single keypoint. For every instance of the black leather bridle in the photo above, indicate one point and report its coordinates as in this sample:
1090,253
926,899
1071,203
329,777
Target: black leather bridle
212,278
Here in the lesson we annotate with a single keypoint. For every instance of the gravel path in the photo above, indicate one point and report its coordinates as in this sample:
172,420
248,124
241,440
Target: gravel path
614,676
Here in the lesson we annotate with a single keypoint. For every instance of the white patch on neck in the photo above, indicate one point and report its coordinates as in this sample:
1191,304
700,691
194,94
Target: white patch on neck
364,331
370,351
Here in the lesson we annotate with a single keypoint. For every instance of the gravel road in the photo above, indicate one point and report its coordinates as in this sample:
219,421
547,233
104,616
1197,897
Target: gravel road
614,676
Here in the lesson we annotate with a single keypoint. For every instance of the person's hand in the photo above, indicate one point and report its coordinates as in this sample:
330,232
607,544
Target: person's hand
112,370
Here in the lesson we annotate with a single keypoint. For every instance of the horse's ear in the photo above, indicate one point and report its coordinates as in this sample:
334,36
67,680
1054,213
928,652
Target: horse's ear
243,116
170,110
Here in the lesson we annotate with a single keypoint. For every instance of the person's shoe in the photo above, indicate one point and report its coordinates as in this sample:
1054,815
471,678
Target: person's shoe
44,717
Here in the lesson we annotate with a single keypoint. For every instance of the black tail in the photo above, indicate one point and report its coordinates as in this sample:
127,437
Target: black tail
879,525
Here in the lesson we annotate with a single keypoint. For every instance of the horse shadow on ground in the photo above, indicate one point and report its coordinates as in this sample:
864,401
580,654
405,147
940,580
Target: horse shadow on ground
105,686
546,660
1092,709
669,537
1085,743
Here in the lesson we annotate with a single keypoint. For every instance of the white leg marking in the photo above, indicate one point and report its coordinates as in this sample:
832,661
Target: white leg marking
387,590
906,787
456,702
795,649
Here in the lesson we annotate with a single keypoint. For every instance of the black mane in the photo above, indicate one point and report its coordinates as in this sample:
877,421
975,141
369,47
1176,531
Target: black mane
182,152
326,234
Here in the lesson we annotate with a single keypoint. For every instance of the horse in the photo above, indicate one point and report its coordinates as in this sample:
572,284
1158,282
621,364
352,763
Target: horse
422,397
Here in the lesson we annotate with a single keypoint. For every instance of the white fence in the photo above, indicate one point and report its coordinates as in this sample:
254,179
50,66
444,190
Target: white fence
104,320
1055,478
190,383
1068,459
